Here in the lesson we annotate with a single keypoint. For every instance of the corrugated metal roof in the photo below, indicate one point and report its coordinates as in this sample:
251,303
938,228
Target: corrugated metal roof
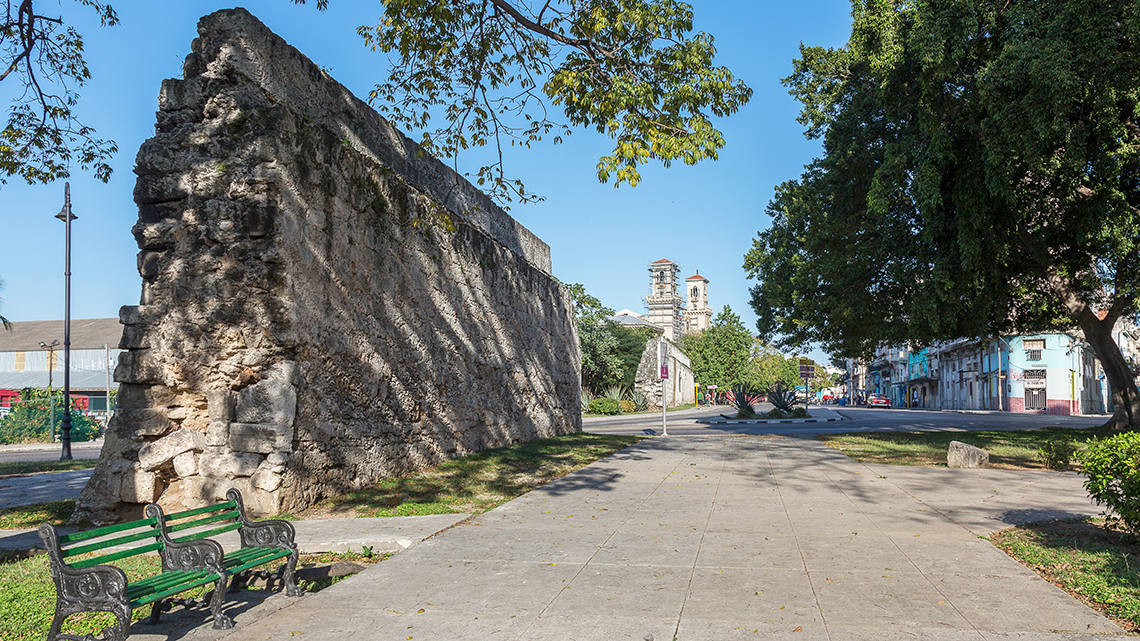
88,333
80,380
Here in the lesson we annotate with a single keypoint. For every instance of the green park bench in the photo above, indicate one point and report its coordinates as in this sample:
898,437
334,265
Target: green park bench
261,541
86,583
90,584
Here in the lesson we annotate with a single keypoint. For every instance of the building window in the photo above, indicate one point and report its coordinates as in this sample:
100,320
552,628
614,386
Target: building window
1034,399
1033,348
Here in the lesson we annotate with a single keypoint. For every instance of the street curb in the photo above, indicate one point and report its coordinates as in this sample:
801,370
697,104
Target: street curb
744,421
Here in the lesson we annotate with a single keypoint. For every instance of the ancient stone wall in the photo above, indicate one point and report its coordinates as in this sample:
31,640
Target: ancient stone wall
322,307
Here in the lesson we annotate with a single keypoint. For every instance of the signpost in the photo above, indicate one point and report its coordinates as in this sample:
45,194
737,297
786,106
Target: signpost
663,355
807,371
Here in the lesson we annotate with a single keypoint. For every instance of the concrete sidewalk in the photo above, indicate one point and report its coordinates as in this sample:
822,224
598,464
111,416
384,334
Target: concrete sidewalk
708,539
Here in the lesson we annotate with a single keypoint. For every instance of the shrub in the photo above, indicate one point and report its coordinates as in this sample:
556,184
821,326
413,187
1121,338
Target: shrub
776,414
587,397
1114,478
30,419
1057,453
616,392
604,406
799,412
742,398
627,407
781,397
640,400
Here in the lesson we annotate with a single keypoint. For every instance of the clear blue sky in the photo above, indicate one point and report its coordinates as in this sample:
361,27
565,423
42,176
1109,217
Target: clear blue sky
703,218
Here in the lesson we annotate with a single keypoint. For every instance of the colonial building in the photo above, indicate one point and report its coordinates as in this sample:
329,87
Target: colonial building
668,310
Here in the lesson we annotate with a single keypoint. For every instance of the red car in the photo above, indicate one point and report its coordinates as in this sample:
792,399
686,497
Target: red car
879,401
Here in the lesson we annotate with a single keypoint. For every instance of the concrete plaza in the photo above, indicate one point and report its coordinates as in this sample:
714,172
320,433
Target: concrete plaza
710,539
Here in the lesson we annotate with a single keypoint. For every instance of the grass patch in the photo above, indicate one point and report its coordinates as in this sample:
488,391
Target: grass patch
30,516
1087,558
1008,449
31,467
478,482
27,602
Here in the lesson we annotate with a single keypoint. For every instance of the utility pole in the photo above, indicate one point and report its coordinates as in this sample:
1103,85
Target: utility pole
663,354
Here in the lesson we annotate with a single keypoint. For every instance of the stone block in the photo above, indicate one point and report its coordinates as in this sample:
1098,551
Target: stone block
218,434
143,422
277,458
282,371
267,402
228,465
155,454
140,486
138,367
220,405
962,455
266,480
264,438
186,464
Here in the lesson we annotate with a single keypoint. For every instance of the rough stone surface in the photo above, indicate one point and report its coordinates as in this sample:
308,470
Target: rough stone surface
155,454
261,437
304,266
228,465
267,402
186,464
962,455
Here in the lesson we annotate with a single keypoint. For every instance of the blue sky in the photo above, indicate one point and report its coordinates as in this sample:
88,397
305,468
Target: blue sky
703,217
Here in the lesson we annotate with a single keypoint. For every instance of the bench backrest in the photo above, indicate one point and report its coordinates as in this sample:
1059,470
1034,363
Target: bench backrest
204,521
117,541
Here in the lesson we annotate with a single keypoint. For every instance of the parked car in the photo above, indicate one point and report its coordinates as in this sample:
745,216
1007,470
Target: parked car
879,401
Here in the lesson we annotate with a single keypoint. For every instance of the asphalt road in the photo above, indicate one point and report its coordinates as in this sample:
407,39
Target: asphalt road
698,422
8,453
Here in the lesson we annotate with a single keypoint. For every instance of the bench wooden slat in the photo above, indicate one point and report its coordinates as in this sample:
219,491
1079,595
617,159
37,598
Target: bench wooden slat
208,533
103,531
178,516
200,522
185,581
275,553
115,556
109,543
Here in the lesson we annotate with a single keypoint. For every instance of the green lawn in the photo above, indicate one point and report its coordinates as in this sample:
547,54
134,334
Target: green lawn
1097,564
1007,449
478,482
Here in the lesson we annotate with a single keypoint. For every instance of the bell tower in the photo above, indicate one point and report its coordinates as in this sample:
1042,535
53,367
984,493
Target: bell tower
698,316
663,304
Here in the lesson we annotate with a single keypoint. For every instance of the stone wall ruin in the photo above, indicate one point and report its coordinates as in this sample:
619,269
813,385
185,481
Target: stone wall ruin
322,307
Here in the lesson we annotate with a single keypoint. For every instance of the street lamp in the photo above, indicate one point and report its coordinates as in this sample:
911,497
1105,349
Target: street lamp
51,359
65,427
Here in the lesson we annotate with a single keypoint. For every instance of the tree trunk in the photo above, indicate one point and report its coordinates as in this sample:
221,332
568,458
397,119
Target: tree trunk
1125,394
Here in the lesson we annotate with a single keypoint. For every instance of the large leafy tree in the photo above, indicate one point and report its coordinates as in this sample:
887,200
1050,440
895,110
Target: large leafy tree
492,70
601,358
979,177
41,70
489,70
721,355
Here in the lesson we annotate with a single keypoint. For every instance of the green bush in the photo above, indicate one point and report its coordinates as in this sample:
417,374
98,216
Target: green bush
1112,466
799,412
743,396
627,407
774,413
605,406
30,420
640,401
1057,453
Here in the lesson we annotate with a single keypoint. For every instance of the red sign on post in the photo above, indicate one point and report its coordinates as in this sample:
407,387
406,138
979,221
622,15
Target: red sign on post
664,371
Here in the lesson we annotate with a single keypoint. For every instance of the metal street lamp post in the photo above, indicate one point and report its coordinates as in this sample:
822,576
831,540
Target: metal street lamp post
51,359
65,426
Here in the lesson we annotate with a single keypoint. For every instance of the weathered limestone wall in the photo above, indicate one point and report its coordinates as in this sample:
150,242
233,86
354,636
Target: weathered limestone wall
321,308
680,387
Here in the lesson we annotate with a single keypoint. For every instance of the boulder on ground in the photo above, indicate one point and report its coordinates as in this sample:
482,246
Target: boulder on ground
962,455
